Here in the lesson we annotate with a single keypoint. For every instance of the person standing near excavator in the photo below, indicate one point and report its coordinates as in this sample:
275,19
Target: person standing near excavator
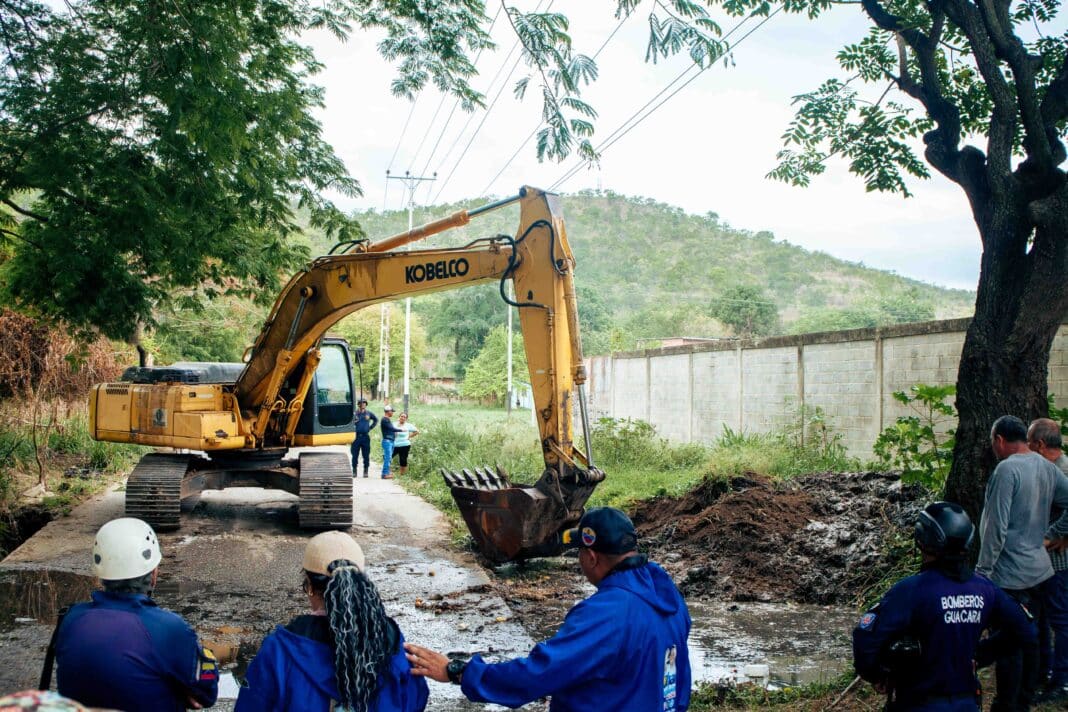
623,648
389,437
365,421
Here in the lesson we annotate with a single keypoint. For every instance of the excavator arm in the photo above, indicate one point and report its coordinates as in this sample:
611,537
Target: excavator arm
507,521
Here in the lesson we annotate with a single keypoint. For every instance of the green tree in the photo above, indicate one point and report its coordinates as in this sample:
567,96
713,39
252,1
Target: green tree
152,149
463,317
747,310
487,375
361,330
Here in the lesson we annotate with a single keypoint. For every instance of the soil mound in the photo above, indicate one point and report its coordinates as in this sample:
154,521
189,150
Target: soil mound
820,538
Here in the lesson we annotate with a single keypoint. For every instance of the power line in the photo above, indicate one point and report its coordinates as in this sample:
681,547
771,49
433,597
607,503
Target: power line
455,105
385,195
623,129
485,116
535,131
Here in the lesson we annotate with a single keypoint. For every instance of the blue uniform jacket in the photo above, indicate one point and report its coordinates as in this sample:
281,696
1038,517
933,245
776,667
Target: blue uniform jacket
623,648
365,422
947,617
123,652
294,673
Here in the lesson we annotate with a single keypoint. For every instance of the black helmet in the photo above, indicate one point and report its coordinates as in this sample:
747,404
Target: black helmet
944,528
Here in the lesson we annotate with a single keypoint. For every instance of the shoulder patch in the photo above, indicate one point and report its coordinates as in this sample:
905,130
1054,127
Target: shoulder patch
867,621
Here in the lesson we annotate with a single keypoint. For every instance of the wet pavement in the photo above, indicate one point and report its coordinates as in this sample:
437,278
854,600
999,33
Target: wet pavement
233,571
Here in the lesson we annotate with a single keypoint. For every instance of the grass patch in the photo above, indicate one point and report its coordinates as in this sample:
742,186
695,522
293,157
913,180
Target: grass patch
814,696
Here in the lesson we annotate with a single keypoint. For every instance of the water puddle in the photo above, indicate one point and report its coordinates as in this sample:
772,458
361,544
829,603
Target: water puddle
800,644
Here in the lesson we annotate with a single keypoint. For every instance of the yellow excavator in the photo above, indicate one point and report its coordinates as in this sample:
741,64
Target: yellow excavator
237,422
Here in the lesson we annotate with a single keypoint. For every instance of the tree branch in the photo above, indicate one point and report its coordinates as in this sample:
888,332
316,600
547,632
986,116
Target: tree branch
20,238
966,16
1054,106
1010,48
23,211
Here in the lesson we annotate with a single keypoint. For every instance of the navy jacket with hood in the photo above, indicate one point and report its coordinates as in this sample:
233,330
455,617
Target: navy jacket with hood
295,673
623,648
947,616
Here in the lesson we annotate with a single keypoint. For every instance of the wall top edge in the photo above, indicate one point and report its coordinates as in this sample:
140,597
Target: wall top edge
895,331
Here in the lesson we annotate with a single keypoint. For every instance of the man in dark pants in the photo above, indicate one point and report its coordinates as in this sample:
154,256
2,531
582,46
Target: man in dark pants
1020,494
1044,437
365,421
923,641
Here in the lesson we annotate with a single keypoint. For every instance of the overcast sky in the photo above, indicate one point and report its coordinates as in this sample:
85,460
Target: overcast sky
706,150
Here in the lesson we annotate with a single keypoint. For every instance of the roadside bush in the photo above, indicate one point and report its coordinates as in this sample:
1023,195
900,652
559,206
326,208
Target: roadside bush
807,446
623,443
921,445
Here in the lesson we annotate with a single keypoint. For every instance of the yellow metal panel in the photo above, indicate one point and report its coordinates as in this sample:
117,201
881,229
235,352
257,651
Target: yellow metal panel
113,436
325,439
110,408
193,397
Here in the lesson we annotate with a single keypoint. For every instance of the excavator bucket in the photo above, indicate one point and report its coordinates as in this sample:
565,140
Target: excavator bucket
511,522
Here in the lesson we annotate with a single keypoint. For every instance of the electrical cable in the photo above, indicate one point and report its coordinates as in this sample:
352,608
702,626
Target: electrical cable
400,140
470,141
455,105
535,131
621,131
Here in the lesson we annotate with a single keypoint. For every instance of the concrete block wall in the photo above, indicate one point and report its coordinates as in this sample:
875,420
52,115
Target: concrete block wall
691,392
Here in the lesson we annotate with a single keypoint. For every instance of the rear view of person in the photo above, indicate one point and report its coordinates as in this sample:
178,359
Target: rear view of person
345,654
923,642
123,652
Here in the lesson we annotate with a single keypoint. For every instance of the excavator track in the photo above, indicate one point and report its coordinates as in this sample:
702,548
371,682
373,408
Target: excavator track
325,491
154,490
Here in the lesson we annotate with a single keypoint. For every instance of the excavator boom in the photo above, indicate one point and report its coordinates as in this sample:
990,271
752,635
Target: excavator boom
257,414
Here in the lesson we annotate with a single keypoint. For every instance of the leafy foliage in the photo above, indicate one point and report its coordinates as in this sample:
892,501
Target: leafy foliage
154,149
921,445
487,375
362,330
747,310
868,312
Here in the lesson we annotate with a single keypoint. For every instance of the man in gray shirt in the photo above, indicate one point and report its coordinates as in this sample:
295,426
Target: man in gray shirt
1014,527
1044,437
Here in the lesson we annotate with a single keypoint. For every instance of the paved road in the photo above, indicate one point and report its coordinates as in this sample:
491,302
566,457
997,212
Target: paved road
233,570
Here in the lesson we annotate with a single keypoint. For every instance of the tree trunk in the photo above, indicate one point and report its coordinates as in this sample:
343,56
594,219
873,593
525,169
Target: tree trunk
1021,301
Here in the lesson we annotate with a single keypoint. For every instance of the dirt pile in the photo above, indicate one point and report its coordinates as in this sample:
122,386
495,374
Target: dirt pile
820,538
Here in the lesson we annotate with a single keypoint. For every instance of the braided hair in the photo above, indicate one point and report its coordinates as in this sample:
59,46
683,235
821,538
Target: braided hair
361,631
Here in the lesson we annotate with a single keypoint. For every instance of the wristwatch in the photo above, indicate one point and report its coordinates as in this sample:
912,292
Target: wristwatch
455,670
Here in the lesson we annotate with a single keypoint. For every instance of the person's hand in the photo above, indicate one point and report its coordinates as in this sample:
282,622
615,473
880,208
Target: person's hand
427,663
1056,545
192,704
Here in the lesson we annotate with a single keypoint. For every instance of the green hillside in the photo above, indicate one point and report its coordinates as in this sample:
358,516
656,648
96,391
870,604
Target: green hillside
655,271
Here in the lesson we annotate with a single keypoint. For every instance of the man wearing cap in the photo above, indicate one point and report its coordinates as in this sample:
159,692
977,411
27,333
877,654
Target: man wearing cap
389,435
365,421
121,651
623,648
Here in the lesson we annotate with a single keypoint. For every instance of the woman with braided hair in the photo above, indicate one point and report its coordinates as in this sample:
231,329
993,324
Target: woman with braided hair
345,655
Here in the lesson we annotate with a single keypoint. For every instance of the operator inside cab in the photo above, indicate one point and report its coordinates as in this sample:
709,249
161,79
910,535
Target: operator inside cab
922,643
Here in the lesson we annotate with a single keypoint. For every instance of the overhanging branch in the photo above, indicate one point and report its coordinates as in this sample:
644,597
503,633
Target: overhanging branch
23,211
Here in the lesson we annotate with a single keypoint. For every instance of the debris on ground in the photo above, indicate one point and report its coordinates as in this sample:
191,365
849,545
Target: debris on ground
820,538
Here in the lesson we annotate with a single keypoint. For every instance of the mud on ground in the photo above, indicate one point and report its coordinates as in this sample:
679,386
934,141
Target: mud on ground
820,538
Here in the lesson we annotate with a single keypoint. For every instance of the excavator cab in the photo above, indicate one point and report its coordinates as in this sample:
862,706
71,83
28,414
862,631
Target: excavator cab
329,405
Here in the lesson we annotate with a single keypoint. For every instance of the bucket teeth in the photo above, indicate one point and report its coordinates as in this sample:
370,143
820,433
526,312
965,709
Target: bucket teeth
483,478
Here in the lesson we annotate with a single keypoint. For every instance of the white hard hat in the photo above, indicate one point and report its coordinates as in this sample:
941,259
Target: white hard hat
328,547
124,549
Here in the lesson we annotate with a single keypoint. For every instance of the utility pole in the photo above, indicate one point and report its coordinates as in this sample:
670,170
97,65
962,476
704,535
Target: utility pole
411,183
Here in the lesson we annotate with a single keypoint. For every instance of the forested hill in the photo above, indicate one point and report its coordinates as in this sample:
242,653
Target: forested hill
658,270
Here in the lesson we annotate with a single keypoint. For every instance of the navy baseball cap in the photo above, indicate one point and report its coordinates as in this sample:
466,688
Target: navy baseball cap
603,529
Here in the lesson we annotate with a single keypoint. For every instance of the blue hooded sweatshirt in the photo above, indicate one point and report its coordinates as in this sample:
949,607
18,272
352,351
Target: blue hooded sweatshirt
294,672
623,648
